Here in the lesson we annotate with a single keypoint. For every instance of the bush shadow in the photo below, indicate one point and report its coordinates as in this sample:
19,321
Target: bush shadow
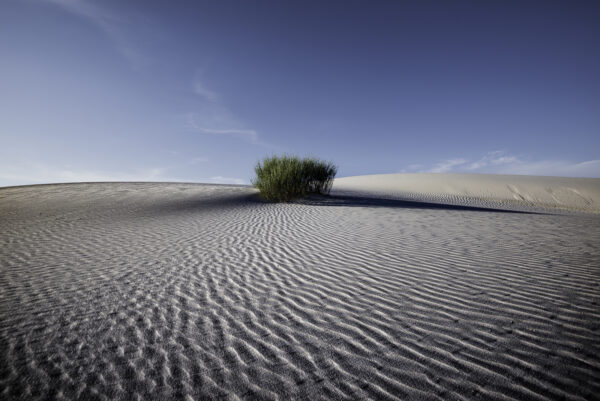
358,201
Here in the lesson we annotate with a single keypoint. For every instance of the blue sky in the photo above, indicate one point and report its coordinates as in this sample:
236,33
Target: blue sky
199,91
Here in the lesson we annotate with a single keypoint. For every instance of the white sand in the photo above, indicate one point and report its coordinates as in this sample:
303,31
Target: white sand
120,291
482,190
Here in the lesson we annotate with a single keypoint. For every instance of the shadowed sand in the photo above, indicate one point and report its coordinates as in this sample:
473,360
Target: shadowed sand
118,291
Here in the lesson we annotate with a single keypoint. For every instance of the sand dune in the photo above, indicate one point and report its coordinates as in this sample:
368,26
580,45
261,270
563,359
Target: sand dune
119,291
517,192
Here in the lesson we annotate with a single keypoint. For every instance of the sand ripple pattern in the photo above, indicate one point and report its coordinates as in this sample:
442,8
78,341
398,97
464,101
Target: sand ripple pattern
131,291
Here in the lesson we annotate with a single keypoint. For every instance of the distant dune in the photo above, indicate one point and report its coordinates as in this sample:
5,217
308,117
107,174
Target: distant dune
484,190
160,291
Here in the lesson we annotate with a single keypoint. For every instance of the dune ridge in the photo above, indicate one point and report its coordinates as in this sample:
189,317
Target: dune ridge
116,291
512,192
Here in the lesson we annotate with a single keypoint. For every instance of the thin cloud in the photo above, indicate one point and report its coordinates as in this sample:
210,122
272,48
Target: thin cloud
590,168
499,162
412,168
41,173
495,158
447,165
112,24
197,160
200,89
38,173
242,133
214,118
216,121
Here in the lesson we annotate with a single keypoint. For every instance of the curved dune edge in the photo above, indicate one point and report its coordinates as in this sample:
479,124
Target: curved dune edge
513,192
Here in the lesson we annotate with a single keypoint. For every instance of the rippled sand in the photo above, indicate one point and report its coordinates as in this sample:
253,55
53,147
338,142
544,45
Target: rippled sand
513,192
119,291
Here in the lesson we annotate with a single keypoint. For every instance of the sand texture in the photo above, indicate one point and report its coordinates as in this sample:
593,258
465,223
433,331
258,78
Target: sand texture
513,192
138,291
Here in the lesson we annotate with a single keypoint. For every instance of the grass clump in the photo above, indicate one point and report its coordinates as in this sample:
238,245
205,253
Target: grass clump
281,179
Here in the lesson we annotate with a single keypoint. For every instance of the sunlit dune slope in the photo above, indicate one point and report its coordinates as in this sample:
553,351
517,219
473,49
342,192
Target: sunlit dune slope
482,190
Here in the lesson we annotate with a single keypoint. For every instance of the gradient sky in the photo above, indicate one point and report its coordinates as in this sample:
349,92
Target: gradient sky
199,91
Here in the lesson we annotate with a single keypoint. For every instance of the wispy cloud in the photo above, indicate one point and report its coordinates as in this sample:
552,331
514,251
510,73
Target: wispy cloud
412,168
499,162
214,118
26,173
251,135
39,173
495,158
590,168
200,89
447,165
112,24
217,120
197,160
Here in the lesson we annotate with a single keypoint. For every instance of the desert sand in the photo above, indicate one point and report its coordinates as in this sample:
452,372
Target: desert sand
513,192
158,291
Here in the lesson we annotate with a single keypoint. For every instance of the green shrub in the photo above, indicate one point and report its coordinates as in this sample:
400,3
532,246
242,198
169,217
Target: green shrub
284,178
